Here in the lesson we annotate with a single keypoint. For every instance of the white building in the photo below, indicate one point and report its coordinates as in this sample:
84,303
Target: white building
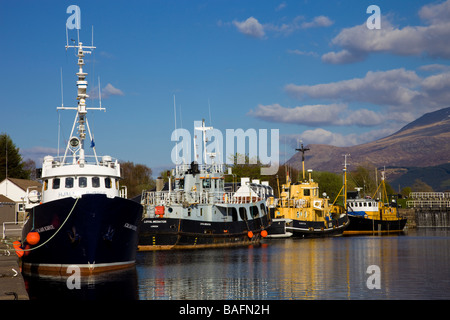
21,191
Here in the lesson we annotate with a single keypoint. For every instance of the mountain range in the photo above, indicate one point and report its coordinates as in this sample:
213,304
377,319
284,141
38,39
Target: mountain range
422,143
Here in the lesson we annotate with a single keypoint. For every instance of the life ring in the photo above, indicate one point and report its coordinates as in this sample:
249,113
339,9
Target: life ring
194,188
224,197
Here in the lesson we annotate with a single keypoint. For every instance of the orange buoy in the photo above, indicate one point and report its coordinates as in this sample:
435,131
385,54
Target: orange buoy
17,244
33,237
250,234
264,233
19,252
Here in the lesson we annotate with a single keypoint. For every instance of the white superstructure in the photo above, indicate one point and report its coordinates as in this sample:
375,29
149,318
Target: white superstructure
75,173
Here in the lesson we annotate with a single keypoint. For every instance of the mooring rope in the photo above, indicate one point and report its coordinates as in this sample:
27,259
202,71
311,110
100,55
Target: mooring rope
60,227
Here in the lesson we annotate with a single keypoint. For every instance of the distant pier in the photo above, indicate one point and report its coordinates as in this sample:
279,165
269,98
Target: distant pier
432,209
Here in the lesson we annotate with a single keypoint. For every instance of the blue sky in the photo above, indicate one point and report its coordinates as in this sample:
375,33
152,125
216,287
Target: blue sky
311,69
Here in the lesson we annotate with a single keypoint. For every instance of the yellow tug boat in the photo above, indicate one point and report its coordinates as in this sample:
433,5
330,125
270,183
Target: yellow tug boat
301,212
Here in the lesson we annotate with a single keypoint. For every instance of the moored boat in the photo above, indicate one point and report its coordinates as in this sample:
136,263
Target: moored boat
198,212
84,218
301,212
369,215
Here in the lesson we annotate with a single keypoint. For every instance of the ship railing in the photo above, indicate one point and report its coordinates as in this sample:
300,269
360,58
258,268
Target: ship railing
428,203
106,161
168,198
211,168
293,203
272,202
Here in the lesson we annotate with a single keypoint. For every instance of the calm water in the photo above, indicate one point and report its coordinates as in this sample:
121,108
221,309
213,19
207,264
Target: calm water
413,265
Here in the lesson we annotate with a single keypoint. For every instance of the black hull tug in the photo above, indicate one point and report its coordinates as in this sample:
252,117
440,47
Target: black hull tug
82,219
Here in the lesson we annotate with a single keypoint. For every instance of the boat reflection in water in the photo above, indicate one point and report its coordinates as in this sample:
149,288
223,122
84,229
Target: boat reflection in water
316,268
413,265
113,285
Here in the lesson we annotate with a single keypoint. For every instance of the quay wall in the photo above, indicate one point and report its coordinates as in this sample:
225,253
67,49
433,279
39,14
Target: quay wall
409,214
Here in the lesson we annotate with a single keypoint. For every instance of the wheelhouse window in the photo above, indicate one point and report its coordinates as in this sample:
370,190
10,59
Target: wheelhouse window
234,214
263,208
254,211
207,183
108,183
56,183
69,183
95,182
82,182
243,213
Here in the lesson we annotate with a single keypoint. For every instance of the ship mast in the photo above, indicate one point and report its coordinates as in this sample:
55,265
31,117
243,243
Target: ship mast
303,150
203,129
345,181
76,144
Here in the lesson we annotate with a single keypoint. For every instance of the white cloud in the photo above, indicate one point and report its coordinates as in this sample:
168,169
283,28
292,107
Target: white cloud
253,28
281,6
393,87
435,67
320,114
107,91
436,90
288,28
322,136
400,96
250,27
435,13
110,90
308,114
343,56
320,21
431,39
303,53
398,92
